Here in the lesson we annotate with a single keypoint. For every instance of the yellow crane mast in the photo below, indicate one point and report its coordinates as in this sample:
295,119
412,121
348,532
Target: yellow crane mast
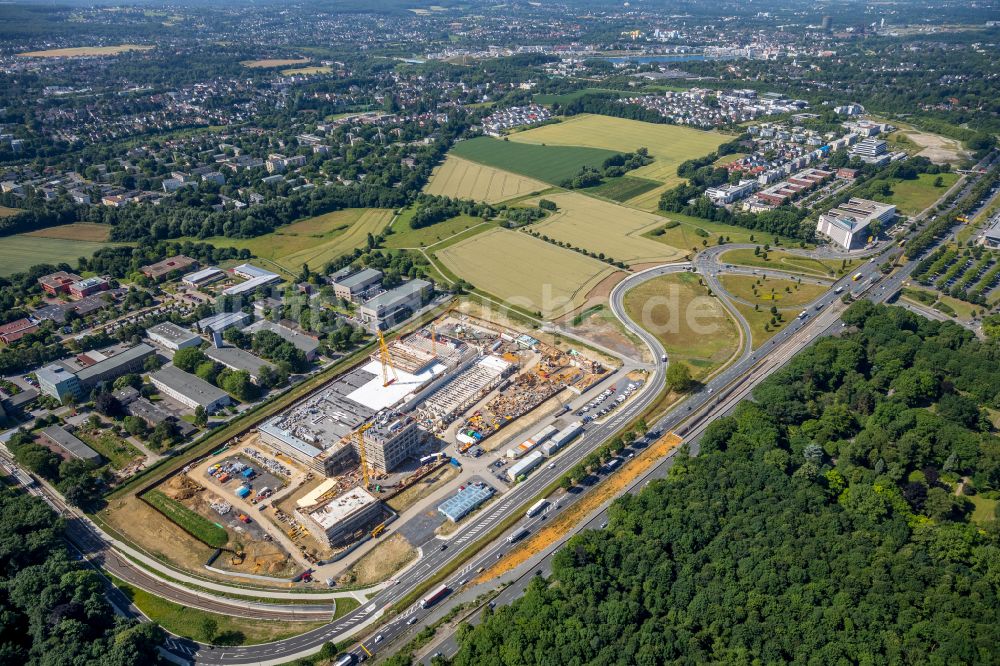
360,434
383,354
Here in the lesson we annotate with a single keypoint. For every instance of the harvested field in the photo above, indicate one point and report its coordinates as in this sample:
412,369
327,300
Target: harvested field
669,145
427,485
81,231
306,71
461,178
268,63
525,271
551,164
85,51
315,240
691,325
381,562
605,228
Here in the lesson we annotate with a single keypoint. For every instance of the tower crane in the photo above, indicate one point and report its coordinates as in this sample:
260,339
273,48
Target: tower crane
383,355
360,435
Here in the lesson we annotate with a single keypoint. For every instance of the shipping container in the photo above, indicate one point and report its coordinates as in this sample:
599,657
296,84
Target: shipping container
243,491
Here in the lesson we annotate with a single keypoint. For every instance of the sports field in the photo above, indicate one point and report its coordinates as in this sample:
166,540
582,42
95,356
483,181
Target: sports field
669,145
84,51
551,164
605,228
692,326
524,271
459,177
83,231
20,252
312,241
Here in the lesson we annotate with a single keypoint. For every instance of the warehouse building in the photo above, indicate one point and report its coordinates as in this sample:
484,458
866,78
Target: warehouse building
849,224
235,358
465,501
171,336
188,389
68,444
207,275
343,518
218,323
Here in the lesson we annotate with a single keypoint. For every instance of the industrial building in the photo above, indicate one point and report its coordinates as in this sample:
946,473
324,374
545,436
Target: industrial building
848,224
466,500
207,275
391,307
562,438
524,466
529,444
218,323
161,269
352,285
77,376
188,389
342,518
235,358
255,277
465,389
69,444
171,336
308,345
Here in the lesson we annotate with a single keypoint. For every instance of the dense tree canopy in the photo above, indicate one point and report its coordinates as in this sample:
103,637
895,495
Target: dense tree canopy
828,521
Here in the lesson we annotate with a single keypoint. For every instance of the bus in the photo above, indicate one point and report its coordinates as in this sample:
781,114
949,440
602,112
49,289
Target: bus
536,509
857,276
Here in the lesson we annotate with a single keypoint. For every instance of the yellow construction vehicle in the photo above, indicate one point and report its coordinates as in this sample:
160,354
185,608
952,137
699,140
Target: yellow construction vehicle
378,530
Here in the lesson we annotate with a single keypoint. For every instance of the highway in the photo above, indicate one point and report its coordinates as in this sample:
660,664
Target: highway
716,397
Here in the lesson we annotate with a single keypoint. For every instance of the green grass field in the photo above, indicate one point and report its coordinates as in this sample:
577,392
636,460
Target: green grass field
686,236
229,629
622,188
548,99
313,241
549,164
115,450
403,236
913,196
193,523
759,320
771,291
20,252
668,145
784,261
985,510
693,327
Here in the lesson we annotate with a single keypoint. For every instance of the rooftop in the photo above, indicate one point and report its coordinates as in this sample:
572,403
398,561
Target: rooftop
342,506
189,385
171,331
70,443
141,350
362,277
391,299
238,359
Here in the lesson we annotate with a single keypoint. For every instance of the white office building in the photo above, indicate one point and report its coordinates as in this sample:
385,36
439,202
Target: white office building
848,225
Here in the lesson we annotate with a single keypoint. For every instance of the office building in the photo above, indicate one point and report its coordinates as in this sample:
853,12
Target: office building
203,277
58,282
77,376
307,344
870,149
85,288
394,306
161,269
351,286
849,225
726,194
218,323
171,336
56,381
17,329
392,439
188,389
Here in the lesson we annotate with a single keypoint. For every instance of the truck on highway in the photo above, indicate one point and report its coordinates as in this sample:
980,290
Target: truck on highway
518,535
536,509
857,276
437,595
838,289
345,660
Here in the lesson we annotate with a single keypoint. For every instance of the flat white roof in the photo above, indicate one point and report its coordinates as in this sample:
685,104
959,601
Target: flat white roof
376,397
342,506
313,495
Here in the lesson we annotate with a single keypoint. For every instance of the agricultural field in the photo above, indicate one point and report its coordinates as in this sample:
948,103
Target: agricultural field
764,291
686,232
81,231
669,145
20,252
306,71
461,178
622,188
913,196
269,63
313,241
692,326
550,164
606,228
781,260
524,271
403,236
85,51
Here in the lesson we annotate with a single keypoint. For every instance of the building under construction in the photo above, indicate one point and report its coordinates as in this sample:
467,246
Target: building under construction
343,518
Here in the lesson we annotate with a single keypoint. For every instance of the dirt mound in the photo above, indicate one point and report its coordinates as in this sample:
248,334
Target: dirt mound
182,487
